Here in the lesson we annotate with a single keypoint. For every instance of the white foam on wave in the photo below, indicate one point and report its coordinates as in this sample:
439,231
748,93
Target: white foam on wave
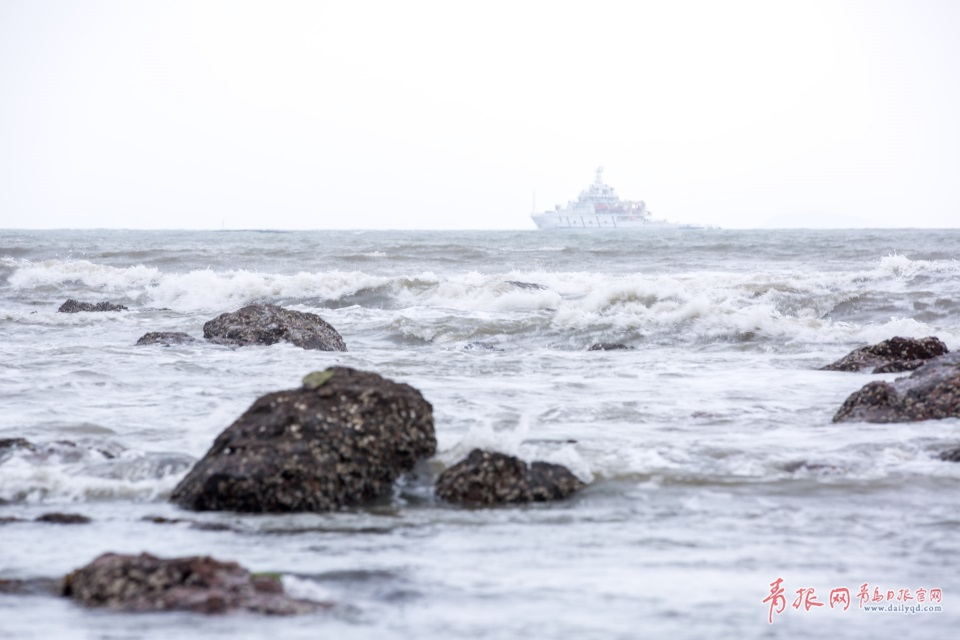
900,266
496,296
31,275
202,290
297,587
59,474
62,484
516,442
849,454
198,290
784,306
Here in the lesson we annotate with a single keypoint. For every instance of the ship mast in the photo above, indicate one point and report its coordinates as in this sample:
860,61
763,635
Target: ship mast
599,179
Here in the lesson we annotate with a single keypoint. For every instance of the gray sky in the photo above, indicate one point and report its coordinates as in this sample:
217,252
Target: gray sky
457,115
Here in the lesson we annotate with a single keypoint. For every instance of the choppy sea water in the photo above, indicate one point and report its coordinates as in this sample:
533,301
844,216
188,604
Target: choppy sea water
713,466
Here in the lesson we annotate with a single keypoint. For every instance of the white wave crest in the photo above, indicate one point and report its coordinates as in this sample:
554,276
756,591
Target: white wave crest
95,276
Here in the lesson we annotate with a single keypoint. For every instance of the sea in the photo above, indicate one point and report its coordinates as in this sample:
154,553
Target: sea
721,500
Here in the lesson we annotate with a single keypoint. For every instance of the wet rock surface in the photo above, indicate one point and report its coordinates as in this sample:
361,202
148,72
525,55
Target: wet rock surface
489,478
931,392
166,338
75,306
891,356
201,584
341,439
268,324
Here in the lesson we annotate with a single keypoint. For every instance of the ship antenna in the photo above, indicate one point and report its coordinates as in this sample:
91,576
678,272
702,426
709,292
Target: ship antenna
599,175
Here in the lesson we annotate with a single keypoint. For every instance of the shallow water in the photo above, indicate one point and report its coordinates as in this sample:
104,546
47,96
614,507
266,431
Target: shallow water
712,462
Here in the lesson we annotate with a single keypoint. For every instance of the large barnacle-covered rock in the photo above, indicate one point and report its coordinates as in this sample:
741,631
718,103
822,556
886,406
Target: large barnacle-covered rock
341,439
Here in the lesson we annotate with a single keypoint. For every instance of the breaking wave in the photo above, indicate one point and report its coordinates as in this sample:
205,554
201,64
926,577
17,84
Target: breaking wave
911,297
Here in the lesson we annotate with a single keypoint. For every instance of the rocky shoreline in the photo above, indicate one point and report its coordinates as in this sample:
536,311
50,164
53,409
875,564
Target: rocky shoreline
345,437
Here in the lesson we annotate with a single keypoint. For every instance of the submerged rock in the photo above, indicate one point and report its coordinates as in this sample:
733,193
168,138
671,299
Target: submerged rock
193,524
952,455
166,338
891,356
200,584
64,518
16,443
269,324
608,346
30,587
75,306
526,285
341,439
488,478
931,392
481,346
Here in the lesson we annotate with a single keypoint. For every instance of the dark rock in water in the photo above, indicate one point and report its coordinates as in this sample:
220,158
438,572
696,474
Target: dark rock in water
166,338
9,445
75,306
341,439
200,584
15,443
931,392
9,519
527,285
269,324
951,456
487,478
891,356
608,346
64,518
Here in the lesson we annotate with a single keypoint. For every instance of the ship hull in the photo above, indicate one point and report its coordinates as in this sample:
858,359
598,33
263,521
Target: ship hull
560,220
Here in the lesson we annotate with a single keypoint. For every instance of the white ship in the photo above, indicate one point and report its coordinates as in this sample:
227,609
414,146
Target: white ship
598,207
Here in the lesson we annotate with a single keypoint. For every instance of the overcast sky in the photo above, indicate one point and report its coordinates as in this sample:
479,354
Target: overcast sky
466,115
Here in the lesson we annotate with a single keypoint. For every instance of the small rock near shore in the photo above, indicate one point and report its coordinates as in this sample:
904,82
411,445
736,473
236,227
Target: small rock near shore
609,346
64,518
166,338
489,478
200,583
75,306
